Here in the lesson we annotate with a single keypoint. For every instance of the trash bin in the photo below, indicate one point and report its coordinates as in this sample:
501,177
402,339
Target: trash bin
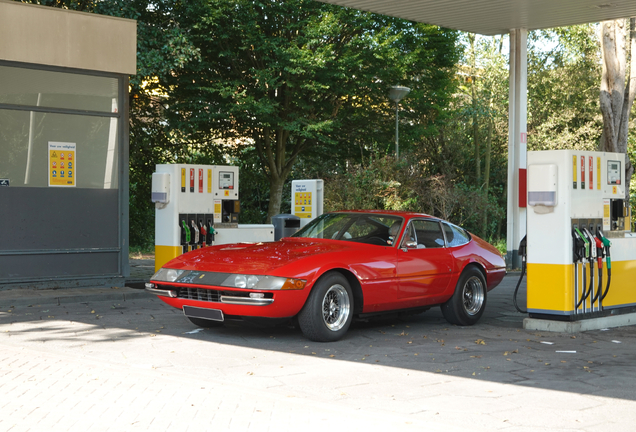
285,225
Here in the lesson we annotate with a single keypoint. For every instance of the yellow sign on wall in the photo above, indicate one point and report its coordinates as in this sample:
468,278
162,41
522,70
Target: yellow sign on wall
62,164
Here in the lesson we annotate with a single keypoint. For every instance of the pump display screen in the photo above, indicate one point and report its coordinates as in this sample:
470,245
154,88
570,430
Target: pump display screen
226,180
613,172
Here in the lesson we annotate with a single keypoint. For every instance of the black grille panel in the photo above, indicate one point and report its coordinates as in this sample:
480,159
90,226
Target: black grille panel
199,294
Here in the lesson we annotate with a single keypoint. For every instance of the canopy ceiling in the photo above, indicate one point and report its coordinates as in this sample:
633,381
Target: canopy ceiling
491,17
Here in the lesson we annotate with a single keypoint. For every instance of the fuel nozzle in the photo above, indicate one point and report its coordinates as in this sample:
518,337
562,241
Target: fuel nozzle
578,245
608,261
195,230
186,237
599,251
604,240
586,244
590,237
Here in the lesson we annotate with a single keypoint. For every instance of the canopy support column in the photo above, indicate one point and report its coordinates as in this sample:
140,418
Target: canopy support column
517,147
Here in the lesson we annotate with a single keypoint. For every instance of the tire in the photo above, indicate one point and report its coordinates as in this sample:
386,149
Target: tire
200,322
327,314
468,302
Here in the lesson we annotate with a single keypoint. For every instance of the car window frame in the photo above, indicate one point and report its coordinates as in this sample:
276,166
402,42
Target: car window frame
450,226
354,216
408,226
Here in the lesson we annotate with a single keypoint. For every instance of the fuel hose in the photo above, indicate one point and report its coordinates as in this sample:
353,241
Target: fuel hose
523,251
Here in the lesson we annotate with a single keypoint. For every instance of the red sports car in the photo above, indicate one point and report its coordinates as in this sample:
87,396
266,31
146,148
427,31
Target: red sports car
340,265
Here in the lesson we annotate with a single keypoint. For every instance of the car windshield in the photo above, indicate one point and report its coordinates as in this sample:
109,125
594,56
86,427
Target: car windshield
370,228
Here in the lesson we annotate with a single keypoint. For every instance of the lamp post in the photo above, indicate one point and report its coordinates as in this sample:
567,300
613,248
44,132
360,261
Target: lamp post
396,94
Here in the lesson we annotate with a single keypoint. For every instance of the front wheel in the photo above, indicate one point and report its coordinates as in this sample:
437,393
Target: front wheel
328,312
468,302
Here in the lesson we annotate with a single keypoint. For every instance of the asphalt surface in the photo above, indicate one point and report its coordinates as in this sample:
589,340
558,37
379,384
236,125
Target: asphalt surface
121,360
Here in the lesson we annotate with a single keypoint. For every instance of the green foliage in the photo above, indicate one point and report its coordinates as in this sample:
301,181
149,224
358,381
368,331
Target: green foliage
300,77
563,89
387,184
298,89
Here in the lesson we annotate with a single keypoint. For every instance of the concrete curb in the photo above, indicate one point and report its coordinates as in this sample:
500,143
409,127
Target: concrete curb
623,320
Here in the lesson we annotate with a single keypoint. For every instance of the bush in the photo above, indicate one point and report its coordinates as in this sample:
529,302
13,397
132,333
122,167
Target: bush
389,184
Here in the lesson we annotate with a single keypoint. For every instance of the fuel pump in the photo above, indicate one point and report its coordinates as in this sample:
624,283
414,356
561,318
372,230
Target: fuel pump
197,206
581,257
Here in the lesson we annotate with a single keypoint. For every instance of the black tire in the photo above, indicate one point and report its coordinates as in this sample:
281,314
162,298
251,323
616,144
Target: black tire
468,302
205,323
328,312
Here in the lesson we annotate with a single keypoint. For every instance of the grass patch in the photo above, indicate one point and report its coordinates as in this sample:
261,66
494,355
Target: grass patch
137,252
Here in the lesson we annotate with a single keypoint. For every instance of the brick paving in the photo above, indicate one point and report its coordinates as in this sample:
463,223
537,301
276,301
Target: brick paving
121,360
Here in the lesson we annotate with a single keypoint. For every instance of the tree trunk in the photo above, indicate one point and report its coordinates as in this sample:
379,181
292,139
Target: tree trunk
487,172
617,97
473,78
275,196
272,148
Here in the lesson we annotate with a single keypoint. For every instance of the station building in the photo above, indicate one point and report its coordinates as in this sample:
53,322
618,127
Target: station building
63,146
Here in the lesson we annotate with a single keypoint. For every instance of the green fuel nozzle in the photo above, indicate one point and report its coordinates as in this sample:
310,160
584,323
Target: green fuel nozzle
606,244
585,240
604,239
187,231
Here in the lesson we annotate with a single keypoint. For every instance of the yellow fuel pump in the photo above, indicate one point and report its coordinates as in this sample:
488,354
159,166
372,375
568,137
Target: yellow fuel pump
576,215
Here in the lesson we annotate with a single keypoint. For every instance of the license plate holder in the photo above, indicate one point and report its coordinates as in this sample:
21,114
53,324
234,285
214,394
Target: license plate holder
203,313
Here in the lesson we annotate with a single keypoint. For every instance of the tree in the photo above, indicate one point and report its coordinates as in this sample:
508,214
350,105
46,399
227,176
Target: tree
617,92
289,78
563,75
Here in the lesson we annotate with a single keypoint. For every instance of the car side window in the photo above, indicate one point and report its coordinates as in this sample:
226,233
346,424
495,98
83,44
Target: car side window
455,236
423,233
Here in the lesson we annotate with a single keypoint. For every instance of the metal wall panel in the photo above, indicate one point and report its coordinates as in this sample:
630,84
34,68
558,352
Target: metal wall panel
59,37
58,218
16,269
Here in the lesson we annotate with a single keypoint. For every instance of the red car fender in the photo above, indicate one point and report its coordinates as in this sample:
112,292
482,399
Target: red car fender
489,260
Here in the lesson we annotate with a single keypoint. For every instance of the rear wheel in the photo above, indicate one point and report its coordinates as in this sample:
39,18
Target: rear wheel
468,302
328,312
200,322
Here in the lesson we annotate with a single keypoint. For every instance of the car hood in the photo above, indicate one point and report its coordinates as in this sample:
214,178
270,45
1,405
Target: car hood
257,258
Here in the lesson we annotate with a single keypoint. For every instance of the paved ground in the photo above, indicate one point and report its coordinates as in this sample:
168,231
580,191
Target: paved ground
121,360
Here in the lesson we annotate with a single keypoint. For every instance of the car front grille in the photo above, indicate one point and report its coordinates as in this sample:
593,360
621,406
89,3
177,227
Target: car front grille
199,294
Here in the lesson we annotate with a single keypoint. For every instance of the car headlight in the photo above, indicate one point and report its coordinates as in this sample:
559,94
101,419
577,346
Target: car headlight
167,275
263,282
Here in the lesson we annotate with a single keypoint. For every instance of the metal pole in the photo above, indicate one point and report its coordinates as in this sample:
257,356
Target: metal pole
397,141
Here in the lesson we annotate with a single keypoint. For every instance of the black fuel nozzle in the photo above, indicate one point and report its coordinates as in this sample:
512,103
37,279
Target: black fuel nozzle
578,245
523,252
608,262
523,247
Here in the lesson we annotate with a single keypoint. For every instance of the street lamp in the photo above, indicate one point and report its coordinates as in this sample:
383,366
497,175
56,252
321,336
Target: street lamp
396,94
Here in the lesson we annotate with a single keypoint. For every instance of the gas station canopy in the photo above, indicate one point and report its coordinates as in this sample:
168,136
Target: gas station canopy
491,17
